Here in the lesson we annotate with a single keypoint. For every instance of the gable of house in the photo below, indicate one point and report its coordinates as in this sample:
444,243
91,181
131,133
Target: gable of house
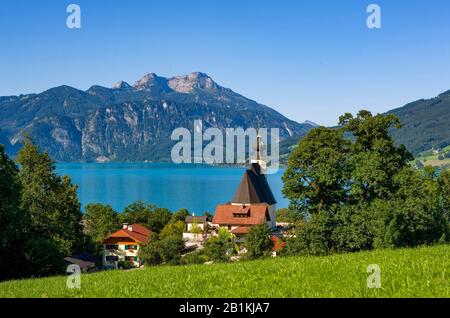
134,233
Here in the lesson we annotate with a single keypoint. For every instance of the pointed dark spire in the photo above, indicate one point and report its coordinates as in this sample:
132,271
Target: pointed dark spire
258,143
254,188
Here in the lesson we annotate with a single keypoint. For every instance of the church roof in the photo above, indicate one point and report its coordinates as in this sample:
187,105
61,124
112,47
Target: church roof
254,188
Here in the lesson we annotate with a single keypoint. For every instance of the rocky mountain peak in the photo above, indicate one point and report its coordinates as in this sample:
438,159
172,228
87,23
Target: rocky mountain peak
121,85
195,80
150,80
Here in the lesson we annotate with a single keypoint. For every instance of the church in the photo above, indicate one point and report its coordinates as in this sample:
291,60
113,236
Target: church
252,204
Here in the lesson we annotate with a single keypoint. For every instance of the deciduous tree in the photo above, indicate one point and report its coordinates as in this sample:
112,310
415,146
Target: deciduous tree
50,200
100,221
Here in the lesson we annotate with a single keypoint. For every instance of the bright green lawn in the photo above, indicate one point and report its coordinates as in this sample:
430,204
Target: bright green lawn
421,272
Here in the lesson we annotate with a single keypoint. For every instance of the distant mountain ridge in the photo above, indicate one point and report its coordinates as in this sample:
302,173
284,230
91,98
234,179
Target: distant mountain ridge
130,122
426,124
134,122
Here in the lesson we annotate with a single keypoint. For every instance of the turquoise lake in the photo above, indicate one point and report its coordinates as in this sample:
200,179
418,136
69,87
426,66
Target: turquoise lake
198,188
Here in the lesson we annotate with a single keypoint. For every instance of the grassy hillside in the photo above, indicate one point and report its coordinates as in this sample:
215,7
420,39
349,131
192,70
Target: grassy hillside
440,159
426,124
421,272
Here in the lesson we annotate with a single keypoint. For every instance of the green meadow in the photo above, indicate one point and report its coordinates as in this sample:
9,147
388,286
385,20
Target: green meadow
419,272
433,159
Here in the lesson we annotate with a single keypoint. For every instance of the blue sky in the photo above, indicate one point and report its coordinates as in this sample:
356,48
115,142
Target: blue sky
310,60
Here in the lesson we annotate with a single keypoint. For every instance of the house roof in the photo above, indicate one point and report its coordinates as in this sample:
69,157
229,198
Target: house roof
240,214
254,188
136,232
83,264
198,219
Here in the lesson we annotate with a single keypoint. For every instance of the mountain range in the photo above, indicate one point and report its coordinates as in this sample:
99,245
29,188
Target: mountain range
134,122
130,122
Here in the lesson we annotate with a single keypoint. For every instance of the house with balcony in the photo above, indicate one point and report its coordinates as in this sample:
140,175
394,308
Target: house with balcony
124,244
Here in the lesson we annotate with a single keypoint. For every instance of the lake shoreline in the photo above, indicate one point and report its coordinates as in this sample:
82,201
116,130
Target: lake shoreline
196,187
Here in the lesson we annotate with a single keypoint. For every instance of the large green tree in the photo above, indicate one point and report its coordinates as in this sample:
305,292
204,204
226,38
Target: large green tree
374,157
50,200
149,215
356,190
179,215
14,222
173,229
317,174
100,221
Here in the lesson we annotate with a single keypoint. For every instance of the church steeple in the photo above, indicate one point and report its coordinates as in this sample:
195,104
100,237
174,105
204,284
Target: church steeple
259,147
254,188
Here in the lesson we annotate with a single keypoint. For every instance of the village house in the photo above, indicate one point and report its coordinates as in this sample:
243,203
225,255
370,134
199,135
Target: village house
124,244
196,230
192,220
252,204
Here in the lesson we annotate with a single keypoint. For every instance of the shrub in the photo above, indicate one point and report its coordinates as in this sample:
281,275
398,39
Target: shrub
194,258
258,242
167,250
150,253
43,258
219,248
415,215
125,265
171,248
408,223
313,237
352,230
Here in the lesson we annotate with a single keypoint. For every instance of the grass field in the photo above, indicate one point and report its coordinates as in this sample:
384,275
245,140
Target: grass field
433,159
421,272
437,163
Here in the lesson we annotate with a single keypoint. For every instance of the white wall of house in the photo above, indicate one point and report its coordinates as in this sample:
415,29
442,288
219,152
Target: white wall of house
200,225
191,237
121,253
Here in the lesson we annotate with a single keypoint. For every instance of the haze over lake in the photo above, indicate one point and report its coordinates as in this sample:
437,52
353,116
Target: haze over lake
198,188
